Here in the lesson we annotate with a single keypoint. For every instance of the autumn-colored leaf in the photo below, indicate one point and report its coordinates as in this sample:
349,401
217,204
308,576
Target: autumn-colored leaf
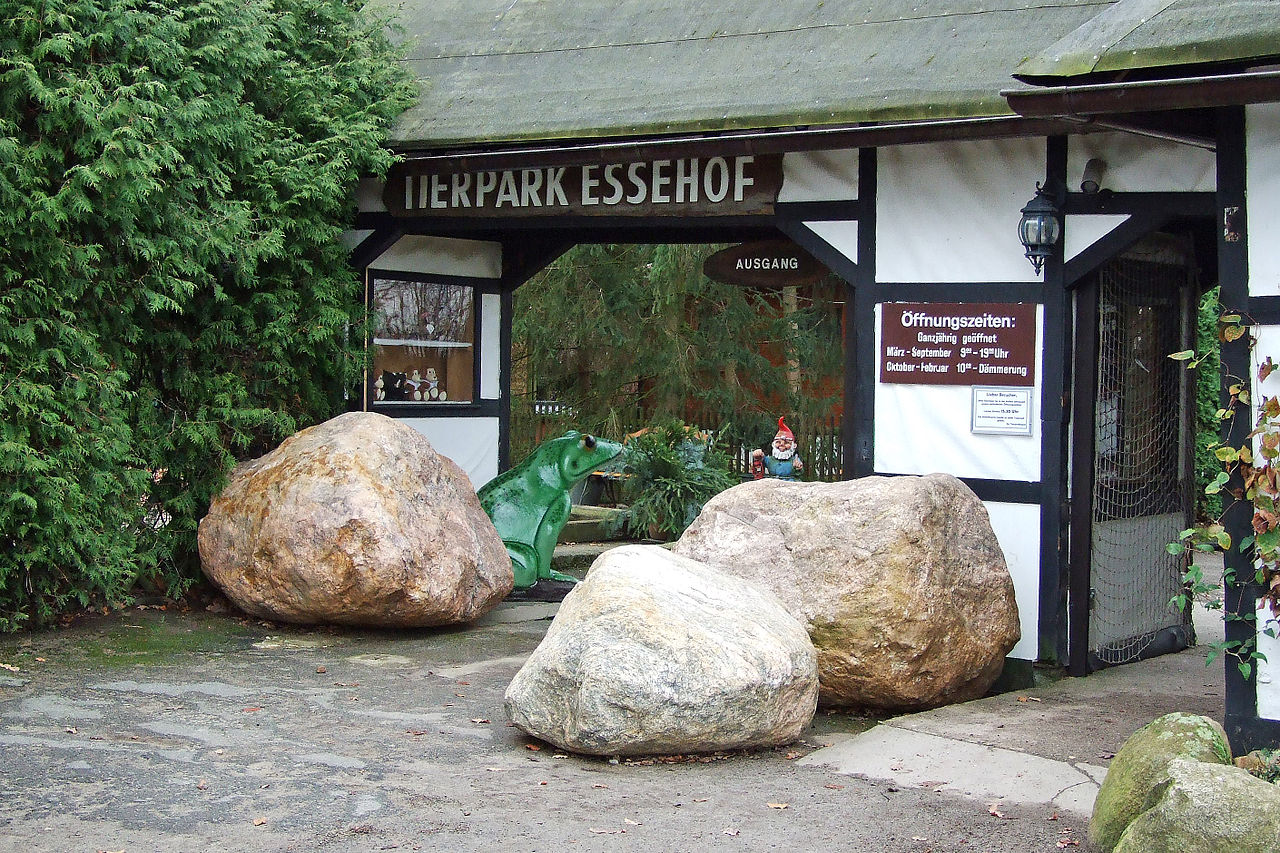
778,805
259,821
533,747
249,710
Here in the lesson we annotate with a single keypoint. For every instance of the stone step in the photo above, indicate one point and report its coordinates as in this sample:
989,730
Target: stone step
575,558
594,524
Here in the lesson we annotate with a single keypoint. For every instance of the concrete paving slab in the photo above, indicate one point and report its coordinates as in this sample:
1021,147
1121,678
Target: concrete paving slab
992,775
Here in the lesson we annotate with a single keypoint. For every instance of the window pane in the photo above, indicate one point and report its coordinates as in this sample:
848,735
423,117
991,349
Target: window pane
424,342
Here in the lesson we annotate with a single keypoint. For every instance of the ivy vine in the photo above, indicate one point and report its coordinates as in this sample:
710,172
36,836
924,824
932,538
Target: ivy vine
1249,473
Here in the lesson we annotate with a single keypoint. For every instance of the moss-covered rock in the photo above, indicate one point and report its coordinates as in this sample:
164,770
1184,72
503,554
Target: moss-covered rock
1142,765
1209,808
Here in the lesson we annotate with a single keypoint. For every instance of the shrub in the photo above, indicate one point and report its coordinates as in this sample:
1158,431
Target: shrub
173,294
673,470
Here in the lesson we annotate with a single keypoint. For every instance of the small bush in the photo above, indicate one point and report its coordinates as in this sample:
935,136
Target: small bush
673,470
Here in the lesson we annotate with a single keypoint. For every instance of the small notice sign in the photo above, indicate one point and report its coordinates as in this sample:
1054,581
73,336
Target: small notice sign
1002,411
972,343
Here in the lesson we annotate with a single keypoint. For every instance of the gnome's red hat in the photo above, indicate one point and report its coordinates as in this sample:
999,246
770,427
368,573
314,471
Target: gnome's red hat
784,431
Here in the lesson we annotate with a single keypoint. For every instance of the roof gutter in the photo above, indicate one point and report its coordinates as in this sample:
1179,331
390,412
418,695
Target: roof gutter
1095,99
818,138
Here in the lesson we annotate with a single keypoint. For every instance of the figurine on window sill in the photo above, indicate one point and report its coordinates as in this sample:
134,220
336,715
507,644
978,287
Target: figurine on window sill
782,463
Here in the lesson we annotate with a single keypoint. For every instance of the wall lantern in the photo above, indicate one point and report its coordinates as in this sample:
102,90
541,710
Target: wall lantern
1040,228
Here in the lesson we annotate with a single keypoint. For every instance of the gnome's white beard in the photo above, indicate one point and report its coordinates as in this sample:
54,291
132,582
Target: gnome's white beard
784,455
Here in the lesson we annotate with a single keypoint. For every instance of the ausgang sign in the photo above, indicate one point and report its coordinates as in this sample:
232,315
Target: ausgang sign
693,186
764,263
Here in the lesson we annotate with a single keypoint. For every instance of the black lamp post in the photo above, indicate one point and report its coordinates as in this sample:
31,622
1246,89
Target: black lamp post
1040,228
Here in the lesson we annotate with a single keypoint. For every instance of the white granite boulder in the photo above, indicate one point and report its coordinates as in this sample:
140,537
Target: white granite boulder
899,580
355,521
657,654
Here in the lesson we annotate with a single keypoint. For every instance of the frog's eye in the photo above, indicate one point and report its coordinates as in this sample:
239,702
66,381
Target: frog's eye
589,442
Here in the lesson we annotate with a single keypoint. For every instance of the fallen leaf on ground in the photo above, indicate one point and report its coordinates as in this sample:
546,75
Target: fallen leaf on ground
630,822
533,746
9,667
778,805
202,785
1053,816
730,831
416,732
791,755
834,787
322,669
609,831
1064,843
259,821
249,710
1029,699
479,720
600,786
994,811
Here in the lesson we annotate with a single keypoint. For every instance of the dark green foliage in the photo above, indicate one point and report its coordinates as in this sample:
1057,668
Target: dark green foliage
609,328
673,469
1208,426
173,295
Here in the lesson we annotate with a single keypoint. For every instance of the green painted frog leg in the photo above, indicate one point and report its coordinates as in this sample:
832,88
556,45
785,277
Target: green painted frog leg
548,533
524,564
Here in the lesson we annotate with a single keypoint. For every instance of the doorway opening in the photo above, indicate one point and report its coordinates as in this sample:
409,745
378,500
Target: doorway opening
1132,481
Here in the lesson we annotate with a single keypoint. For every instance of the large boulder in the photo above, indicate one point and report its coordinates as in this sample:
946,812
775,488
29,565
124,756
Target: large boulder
355,521
1142,766
1209,808
657,654
899,580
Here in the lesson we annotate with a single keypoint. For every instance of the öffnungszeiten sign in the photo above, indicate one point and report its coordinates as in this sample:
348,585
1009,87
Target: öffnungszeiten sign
946,343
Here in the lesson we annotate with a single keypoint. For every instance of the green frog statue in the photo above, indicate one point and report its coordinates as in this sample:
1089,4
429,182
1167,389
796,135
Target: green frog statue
529,504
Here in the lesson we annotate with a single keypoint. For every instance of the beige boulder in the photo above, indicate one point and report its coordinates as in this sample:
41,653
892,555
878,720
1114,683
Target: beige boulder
355,521
899,580
657,654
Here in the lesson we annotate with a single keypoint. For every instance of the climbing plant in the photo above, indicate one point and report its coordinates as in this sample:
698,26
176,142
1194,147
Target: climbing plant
174,178
1245,478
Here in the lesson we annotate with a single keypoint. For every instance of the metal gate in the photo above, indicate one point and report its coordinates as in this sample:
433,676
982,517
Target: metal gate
1140,495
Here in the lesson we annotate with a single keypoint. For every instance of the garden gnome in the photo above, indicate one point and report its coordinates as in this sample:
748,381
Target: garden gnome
783,462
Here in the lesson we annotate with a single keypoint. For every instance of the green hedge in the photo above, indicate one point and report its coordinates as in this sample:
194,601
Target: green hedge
174,178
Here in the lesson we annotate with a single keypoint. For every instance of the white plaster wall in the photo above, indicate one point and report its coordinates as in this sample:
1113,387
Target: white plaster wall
925,428
1268,682
820,176
442,256
1082,231
949,211
1142,164
470,442
1262,177
1268,670
1017,528
491,346
842,235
